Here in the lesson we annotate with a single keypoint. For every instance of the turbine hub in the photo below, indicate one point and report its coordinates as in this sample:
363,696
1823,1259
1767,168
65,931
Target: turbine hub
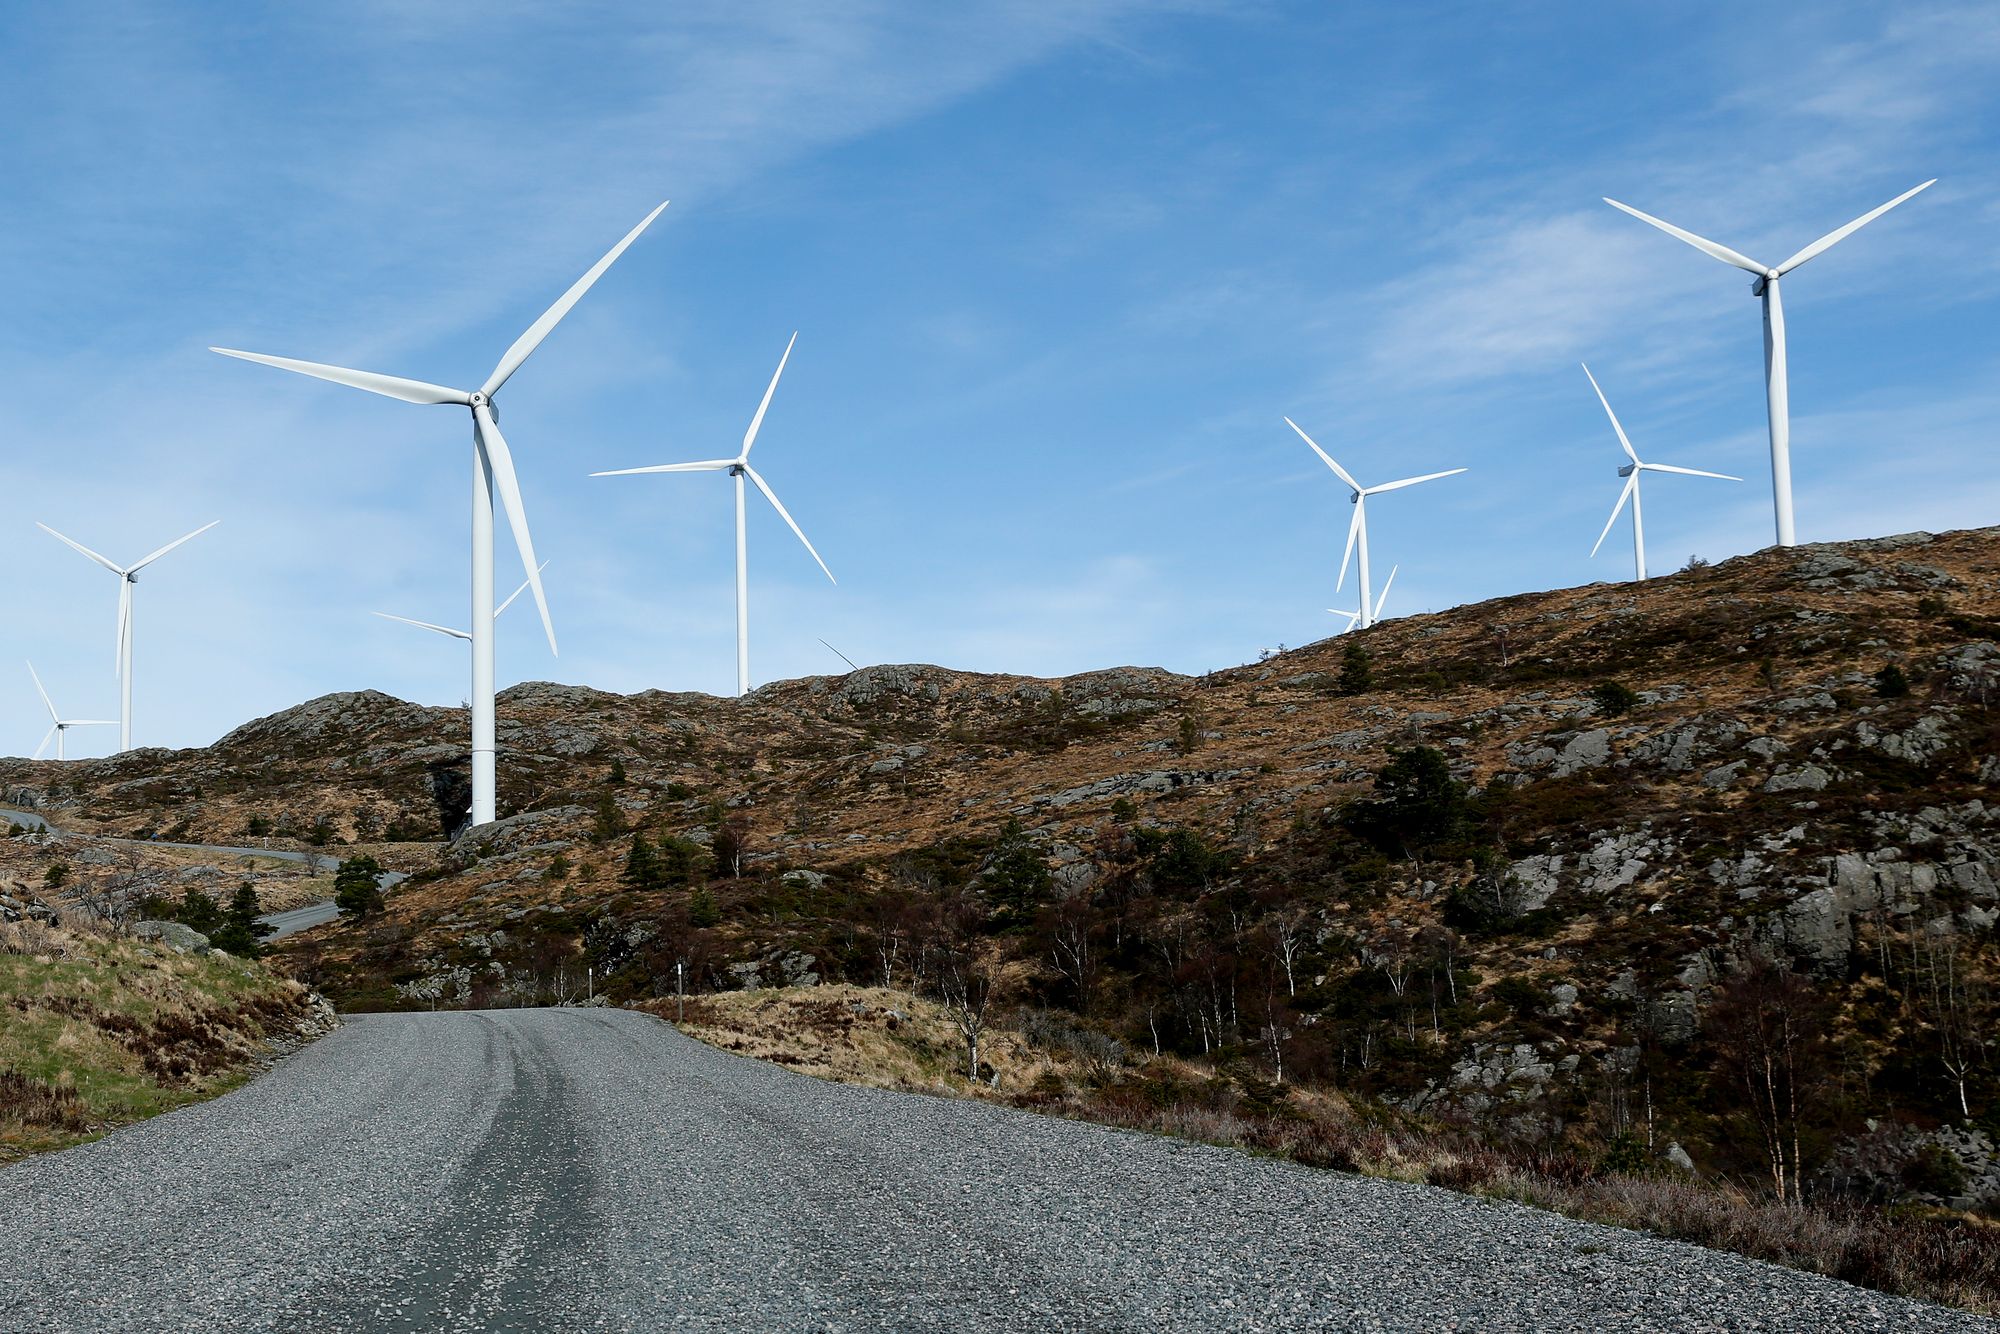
479,399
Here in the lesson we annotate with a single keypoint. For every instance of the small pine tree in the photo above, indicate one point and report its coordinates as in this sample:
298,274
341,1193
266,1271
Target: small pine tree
617,778
241,933
1017,876
199,912
702,909
1357,671
56,876
610,822
642,865
356,891
1892,682
1613,698
1188,739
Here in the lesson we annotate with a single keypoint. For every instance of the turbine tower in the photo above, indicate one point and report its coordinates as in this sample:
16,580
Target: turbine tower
1777,394
739,468
1630,472
1355,616
61,724
492,467
128,577
1357,528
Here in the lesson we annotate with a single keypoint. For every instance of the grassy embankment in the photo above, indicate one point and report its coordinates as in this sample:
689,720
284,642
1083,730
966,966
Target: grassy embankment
98,1029
891,1039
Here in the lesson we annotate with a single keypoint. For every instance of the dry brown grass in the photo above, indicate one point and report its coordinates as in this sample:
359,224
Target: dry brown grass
98,1028
848,1034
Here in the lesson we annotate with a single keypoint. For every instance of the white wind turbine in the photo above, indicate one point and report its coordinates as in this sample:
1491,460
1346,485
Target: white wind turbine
1357,528
60,723
1630,472
739,468
128,576
1354,616
461,634
1777,393
492,466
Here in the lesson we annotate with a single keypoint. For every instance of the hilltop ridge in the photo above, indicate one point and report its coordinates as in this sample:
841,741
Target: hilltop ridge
1641,791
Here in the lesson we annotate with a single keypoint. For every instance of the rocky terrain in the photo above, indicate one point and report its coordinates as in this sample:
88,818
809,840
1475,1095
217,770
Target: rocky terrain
1537,863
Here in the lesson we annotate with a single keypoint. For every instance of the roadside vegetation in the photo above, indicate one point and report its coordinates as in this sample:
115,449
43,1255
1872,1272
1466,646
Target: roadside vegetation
99,1028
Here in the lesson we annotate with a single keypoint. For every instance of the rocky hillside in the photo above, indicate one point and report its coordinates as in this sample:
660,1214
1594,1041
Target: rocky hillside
1541,861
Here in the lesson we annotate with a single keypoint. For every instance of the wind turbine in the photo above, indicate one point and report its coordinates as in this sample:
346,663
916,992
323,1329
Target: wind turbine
128,575
492,466
461,634
1357,528
1630,472
739,468
1354,616
1777,394
61,724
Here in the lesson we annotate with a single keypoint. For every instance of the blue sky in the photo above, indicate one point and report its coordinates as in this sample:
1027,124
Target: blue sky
1057,270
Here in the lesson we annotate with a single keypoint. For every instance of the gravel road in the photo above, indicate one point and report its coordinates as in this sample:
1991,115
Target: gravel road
590,1169
282,924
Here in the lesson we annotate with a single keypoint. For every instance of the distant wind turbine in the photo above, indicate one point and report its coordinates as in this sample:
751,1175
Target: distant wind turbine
462,634
1777,393
1354,616
128,576
61,724
1357,528
739,468
1630,472
492,466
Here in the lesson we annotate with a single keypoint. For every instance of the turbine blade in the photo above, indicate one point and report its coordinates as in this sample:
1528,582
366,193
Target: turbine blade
90,722
750,436
509,486
710,465
1688,472
425,625
525,345
1353,528
1386,584
124,625
1701,243
78,546
1325,457
842,656
1833,237
511,596
46,738
1616,510
779,506
391,386
142,564
1352,616
1412,481
54,717
1622,441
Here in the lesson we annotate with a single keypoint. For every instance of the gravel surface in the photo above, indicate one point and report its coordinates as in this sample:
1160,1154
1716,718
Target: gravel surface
591,1169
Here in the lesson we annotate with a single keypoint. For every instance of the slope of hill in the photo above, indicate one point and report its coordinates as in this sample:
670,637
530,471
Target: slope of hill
98,1028
1548,863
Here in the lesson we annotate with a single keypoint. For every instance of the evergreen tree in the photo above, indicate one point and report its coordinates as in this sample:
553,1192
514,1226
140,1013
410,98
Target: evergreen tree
702,909
199,912
1357,673
1017,875
355,888
642,865
241,933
